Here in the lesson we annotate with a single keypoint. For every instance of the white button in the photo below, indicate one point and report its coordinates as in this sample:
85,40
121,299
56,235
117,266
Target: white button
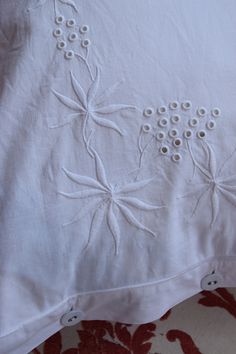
211,282
72,318
84,29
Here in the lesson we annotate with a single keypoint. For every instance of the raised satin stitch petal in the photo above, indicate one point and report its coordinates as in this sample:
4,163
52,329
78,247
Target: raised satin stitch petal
215,205
110,196
139,204
134,186
68,102
114,108
100,171
108,92
78,90
97,219
94,87
108,124
227,193
82,194
133,221
84,180
88,110
114,227
214,185
82,212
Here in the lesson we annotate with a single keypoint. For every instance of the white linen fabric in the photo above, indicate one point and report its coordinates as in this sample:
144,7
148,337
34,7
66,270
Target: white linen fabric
117,160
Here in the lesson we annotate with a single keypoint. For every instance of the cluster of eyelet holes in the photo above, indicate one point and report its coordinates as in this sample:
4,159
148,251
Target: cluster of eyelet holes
176,142
72,36
175,118
186,105
164,150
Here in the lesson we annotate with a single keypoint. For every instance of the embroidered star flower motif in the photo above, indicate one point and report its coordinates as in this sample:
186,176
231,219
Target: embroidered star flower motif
88,106
107,201
215,183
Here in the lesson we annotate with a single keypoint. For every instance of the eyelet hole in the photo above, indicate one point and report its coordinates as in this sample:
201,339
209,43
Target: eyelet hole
73,36
69,54
61,44
84,29
70,23
177,142
211,124
175,119
57,32
161,135
162,110
164,150
148,111
201,111
186,105
193,122
59,19
173,133
163,122
201,134
176,157
85,43
147,128
216,112
188,134
174,105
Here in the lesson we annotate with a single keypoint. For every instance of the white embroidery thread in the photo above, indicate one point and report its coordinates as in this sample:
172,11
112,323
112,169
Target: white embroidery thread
108,197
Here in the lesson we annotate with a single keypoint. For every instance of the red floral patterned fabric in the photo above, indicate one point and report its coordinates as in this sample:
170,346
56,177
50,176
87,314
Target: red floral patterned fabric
203,324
